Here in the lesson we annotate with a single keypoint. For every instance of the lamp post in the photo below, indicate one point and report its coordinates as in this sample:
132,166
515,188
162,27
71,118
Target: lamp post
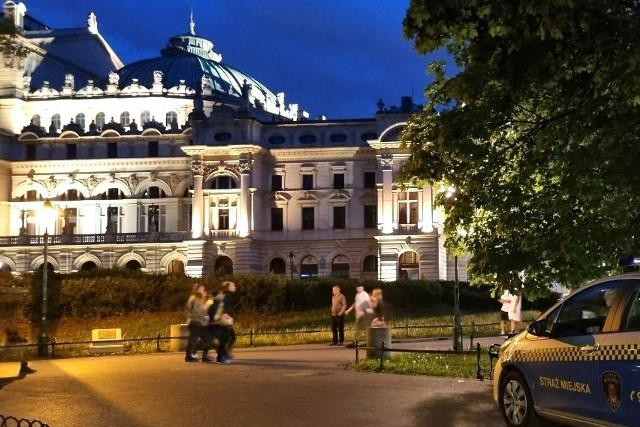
43,338
291,264
457,326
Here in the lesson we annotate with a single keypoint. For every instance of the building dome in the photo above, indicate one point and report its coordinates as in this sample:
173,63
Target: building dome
189,60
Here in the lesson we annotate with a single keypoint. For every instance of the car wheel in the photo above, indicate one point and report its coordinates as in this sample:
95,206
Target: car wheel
516,402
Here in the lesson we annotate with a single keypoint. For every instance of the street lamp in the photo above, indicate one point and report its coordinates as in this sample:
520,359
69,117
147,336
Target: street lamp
291,264
457,326
46,214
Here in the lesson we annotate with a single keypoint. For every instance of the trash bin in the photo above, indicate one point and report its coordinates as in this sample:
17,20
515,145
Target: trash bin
375,337
179,344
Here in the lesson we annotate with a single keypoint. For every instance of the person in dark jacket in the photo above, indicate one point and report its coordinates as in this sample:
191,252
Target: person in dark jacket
196,310
221,314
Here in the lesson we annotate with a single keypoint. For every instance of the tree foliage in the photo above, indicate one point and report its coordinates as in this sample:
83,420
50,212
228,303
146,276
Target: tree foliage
537,133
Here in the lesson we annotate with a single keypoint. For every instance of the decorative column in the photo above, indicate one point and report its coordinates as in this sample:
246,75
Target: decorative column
244,212
386,208
197,211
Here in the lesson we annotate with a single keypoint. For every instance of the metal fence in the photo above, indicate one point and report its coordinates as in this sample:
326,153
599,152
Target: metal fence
252,334
20,422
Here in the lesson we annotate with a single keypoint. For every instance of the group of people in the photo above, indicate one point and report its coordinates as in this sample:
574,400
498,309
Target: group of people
510,312
369,311
210,319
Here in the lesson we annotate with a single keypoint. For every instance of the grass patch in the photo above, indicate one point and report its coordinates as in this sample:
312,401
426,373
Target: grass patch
253,329
432,364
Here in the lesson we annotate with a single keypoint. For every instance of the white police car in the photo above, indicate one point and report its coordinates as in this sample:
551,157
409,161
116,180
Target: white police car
579,364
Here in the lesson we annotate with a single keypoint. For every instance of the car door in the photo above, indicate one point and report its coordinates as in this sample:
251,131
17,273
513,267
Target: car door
619,367
566,380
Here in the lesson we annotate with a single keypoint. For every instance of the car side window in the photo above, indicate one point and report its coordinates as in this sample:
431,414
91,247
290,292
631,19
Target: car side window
632,318
586,312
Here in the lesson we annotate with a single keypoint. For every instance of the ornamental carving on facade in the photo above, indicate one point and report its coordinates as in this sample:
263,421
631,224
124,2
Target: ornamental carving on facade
51,183
91,182
174,180
133,180
244,166
196,166
13,54
387,161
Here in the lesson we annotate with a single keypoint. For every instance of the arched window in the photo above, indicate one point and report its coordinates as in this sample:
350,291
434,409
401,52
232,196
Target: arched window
223,183
171,116
145,117
175,267
55,120
125,118
277,266
308,267
133,265
80,120
154,192
340,266
370,263
89,265
223,265
100,121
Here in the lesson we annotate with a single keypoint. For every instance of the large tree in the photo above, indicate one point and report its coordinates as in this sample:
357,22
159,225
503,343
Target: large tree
536,134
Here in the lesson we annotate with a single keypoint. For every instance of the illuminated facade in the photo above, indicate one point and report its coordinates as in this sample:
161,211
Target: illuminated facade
183,163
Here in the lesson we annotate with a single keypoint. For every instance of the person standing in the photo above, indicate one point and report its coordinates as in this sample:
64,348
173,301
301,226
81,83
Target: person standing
505,300
196,309
221,313
338,308
515,312
363,310
379,309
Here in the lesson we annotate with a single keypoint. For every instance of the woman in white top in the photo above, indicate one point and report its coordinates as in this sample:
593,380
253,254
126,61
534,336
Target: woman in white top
515,312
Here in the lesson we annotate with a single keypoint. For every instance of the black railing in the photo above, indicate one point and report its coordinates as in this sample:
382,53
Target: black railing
251,334
20,422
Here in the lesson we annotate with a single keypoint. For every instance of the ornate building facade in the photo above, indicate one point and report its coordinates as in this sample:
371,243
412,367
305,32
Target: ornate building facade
183,163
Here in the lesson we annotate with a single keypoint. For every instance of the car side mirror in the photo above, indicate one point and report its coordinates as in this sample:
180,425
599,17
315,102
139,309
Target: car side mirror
538,328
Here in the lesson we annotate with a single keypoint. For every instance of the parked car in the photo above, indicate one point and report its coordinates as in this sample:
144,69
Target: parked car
578,364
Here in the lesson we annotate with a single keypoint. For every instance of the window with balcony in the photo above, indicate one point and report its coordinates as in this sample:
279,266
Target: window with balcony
153,218
223,219
408,208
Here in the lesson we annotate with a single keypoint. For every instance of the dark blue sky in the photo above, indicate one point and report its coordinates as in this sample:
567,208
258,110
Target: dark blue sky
334,57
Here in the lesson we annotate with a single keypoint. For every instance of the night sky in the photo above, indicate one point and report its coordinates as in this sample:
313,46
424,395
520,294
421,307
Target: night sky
334,58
